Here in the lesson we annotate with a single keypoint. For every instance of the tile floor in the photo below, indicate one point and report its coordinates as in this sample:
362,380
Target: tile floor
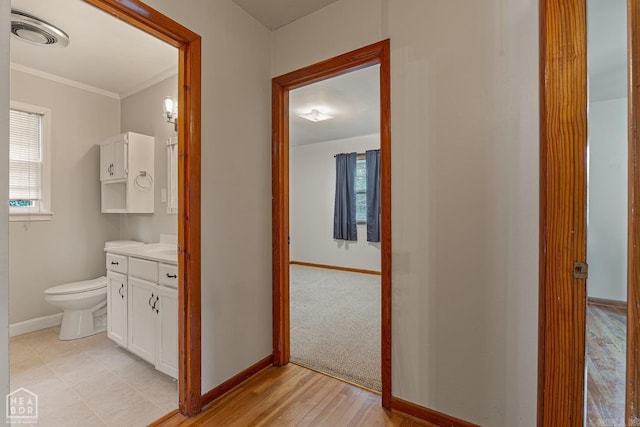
88,382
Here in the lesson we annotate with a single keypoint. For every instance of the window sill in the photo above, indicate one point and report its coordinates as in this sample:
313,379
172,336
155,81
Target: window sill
29,217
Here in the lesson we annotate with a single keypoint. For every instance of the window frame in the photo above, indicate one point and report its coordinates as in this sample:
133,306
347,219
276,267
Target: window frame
42,209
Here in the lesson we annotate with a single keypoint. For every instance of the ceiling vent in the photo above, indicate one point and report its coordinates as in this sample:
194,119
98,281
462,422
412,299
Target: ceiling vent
34,30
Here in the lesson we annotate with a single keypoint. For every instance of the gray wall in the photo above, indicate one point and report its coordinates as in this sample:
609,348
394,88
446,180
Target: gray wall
608,183
5,10
236,185
312,189
464,118
142,113
70,246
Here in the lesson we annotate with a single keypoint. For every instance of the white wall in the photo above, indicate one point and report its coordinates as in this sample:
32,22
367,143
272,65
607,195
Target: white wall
70,246
607,226
312,184
236,185
5,10
142,113
464,117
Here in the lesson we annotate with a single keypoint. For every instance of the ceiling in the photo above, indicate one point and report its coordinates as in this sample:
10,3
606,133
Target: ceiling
353,99
274,14
109,55
104,53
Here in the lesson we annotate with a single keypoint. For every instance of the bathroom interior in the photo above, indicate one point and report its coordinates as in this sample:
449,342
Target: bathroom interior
93,253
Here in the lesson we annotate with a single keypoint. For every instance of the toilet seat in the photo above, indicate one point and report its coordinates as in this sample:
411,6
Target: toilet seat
77,287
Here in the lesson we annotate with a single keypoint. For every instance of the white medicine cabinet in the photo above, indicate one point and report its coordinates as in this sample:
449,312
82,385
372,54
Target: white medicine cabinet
126,173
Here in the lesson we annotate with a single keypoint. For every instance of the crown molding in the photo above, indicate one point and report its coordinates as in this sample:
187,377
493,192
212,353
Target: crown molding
62,80
171,71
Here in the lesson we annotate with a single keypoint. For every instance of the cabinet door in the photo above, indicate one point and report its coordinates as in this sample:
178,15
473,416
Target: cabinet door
167,331
119,170
113,159
142,318
106,159
117,307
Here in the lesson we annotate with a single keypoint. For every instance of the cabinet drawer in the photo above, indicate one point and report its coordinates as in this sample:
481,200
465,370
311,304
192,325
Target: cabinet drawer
143,269
117,263
168,275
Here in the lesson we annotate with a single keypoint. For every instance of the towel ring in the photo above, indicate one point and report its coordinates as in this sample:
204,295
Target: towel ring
139,181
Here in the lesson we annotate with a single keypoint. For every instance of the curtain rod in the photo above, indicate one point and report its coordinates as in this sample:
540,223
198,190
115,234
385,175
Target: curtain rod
359,154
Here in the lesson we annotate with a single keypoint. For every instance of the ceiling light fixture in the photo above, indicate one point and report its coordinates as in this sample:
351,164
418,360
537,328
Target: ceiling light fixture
315,116
33,30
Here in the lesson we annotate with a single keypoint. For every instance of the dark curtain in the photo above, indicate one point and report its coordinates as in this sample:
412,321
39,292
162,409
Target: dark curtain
344,213
373,195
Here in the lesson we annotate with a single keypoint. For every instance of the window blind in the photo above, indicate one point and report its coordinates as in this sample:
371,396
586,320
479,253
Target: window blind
25,155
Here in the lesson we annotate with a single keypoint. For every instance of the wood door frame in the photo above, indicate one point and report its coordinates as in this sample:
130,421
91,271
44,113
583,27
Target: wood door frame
632,411
377,53
145,18
563,141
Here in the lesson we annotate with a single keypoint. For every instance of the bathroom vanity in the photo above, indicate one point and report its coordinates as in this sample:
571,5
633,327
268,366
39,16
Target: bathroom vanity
142,302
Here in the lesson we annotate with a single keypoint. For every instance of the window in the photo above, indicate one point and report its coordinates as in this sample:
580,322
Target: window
361,189
29,171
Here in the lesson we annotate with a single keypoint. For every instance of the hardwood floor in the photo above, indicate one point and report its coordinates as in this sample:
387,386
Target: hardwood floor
295,396
606,364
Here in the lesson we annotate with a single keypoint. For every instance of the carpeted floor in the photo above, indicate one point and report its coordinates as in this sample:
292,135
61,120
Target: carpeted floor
335,323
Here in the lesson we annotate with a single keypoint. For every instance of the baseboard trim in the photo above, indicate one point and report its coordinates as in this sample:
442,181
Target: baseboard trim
36,324
334,267
165,418
429,415
607,302
236,380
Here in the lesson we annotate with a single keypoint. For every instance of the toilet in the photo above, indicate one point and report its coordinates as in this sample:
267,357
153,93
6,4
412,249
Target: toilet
83,303
80,301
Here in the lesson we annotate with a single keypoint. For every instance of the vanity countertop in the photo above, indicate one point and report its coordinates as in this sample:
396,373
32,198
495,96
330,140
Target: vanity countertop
162,252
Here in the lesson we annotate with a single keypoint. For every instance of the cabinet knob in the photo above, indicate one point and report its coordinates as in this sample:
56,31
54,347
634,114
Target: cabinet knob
114,262
172,276
120,290
152,307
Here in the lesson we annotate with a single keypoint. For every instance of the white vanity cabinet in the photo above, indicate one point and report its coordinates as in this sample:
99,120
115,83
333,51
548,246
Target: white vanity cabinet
142,318
117,307
126,173
167,331
150,310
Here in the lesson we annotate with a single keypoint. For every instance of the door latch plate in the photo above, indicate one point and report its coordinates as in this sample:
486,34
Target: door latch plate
580,270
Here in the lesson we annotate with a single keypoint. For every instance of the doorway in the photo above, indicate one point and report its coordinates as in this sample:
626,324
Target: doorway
377,53
334,248
607,204
563,192
188,43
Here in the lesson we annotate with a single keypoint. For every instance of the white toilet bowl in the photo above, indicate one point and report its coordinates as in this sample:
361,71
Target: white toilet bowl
81,301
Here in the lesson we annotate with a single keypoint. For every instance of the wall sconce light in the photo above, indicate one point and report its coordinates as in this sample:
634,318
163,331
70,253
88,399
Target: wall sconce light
171,111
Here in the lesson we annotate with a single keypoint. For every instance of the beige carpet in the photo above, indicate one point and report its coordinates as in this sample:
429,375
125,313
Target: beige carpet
335,323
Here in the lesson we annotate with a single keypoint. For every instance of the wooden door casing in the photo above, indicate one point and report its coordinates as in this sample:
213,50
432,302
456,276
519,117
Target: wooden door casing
563,198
